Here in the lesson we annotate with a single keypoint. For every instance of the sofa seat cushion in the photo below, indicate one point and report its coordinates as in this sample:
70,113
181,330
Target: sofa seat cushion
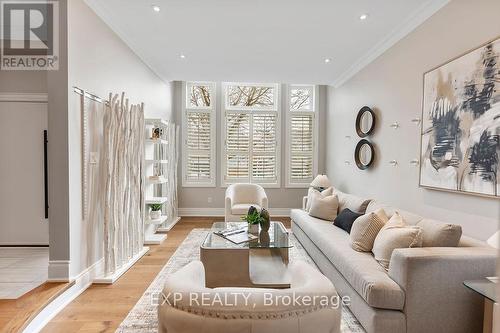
242,209
360,269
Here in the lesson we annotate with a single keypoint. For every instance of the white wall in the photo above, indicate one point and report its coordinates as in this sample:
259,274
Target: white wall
98,62
23,81
194,197
392,85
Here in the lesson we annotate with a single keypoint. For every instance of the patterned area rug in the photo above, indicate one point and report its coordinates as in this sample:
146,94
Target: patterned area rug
143,317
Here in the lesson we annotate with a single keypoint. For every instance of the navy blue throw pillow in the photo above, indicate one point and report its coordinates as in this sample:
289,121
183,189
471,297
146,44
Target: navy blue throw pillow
345,219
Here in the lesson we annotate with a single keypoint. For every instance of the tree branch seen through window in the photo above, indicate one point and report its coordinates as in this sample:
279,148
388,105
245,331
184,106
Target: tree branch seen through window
251,96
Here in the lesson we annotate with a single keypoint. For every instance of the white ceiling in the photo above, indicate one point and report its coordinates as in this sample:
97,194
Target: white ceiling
262,40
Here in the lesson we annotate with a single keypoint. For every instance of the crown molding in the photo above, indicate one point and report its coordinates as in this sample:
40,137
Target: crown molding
425,11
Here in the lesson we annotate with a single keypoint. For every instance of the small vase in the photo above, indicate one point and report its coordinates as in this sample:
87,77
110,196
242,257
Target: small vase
155,214
253,228
264,238
265,222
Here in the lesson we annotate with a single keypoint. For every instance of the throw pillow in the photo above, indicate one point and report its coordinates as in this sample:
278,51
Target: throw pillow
396,234
345,219
437,234
313,192
324,208
365,229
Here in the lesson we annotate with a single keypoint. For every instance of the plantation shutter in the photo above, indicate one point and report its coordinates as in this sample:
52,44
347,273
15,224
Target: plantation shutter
302,135
264,148
301,147
237,146
251,134
198,144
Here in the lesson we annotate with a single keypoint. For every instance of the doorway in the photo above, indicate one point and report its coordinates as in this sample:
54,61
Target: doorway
24,229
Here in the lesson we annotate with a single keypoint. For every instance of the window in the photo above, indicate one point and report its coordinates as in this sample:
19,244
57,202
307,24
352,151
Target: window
199,114
301,135
251,124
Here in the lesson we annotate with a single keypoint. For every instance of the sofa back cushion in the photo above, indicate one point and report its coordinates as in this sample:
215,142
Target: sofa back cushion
466,241
396,234
354,203
437,234
410,218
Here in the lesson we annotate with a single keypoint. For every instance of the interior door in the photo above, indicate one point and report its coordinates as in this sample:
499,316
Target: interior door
22,186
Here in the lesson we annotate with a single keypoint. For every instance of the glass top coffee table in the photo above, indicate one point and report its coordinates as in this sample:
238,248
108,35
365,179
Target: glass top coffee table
487,288
260,263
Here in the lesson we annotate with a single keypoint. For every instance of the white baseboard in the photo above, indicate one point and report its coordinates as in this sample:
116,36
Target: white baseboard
154,239
110,279
169,226
285,212
81,283
59,271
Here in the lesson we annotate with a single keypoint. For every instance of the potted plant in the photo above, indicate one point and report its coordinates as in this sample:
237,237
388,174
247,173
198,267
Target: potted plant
253,218
155,212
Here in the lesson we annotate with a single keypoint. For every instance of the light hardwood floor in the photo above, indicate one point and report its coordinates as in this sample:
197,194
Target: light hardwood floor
102,308
16,313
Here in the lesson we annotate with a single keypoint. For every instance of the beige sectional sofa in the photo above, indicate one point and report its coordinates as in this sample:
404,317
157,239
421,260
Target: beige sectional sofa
421,292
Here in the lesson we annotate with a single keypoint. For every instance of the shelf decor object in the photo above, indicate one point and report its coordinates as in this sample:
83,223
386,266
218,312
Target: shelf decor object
461,124
161,178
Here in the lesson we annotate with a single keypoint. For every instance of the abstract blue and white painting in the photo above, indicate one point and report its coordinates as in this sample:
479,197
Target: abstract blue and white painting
461,124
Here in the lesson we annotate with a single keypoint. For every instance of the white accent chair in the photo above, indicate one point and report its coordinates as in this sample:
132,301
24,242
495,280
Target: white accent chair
189,307
239,198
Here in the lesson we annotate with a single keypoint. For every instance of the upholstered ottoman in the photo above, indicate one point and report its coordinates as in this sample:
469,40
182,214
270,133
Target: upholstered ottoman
311,305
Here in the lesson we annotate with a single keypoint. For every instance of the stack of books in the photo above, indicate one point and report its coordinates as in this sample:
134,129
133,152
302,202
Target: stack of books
237,236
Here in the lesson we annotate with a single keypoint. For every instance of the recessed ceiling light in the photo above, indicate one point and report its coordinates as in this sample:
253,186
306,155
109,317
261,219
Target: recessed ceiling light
363,17
327,60
182,56
156,8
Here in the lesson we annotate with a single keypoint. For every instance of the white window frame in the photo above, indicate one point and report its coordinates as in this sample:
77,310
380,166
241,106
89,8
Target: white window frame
315,110
249,110
212,110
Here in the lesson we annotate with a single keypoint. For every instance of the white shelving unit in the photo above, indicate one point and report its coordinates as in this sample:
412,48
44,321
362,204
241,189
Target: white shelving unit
156,163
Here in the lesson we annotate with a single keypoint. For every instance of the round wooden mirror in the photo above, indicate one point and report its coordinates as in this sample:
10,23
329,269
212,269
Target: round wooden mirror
365,122
364,154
